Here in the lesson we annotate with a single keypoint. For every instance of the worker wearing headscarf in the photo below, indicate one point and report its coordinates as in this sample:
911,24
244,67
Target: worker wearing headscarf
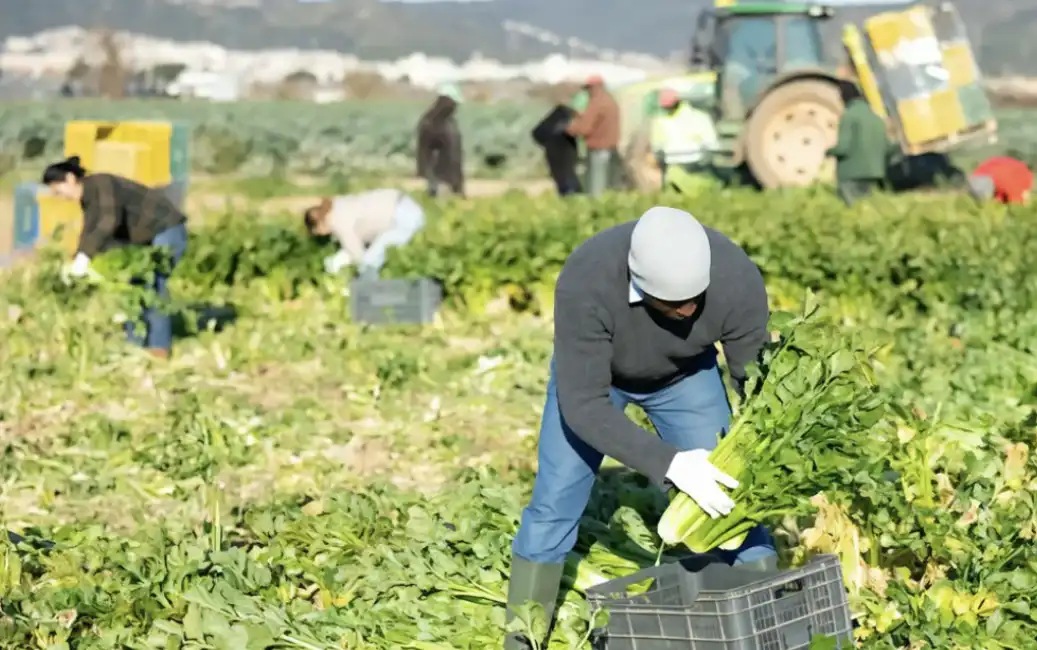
1001,178
440,152
598,125
120,212
682,135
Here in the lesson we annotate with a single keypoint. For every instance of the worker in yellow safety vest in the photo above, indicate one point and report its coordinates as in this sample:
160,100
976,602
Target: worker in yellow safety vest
682,135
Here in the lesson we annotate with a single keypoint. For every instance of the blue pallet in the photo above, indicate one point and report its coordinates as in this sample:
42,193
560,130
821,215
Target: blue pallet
26,216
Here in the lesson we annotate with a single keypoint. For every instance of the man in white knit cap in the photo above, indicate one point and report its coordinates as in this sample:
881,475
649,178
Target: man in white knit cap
639,309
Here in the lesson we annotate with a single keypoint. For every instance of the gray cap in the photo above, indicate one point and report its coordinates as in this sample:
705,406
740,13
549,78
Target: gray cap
669,255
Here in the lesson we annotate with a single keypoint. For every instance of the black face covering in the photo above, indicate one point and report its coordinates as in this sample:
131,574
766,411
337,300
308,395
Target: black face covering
678,326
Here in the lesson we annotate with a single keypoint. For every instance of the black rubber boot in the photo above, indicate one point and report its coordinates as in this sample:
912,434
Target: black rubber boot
531,581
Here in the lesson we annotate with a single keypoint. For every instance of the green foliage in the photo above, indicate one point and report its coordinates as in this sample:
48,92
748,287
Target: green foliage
297,481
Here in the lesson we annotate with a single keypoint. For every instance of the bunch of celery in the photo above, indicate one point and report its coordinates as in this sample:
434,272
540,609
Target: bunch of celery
804,427
617,549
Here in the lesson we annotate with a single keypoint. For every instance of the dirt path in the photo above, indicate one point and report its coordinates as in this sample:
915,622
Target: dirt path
7,222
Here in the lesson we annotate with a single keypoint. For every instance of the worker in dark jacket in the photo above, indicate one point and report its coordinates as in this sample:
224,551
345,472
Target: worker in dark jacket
440,153
639,309
120,212
862,149
1001,178
598,125
560,149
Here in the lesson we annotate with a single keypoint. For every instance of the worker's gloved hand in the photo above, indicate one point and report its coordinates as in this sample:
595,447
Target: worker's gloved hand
335,263
78,268
693,474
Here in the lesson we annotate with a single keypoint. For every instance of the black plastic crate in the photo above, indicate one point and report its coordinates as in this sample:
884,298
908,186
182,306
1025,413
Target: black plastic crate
382,302
701,604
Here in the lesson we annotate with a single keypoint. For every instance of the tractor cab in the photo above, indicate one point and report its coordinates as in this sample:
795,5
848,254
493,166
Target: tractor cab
751,46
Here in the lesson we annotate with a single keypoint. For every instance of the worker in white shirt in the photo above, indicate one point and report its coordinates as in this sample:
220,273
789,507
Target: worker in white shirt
365,225
682,135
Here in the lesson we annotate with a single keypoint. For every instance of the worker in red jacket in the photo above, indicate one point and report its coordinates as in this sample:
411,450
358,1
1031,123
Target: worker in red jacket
1001,178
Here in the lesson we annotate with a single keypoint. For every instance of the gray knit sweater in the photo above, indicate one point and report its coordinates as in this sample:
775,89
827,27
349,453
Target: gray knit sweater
606,336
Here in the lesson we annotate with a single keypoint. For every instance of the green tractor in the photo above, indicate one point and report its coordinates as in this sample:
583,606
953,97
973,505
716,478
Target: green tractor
763,72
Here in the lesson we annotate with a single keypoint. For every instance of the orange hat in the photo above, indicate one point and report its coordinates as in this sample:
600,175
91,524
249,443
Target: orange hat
595,80
668,98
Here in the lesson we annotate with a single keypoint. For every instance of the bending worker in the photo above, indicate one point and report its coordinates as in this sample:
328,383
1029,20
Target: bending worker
638,310
682,135
862,149
1003,179
365,225
598,125
120,212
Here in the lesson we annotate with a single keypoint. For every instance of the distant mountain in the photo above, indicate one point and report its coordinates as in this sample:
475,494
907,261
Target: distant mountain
367,28
1000,29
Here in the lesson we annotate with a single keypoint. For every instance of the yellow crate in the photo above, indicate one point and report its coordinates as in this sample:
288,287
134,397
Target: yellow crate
81,138
127,159
887,30
932,118
854,43
61,222
959,62
157,137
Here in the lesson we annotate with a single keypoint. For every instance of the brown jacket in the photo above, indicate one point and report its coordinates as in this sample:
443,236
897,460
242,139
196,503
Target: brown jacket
118,211
599,124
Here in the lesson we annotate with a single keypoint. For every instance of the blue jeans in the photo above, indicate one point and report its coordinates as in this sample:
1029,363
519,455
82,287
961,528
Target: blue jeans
410,218
688,414
158,321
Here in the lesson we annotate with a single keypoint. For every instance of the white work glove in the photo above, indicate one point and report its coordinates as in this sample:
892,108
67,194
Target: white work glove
335,263
79,267
693,474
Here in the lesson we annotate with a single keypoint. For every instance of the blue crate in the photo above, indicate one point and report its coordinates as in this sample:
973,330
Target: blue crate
26,216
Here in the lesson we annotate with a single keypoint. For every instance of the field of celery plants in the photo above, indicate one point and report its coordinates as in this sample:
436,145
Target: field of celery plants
293,480
257,138
254,138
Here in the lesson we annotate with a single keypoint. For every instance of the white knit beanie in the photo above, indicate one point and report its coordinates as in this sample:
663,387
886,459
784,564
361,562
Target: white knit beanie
669,255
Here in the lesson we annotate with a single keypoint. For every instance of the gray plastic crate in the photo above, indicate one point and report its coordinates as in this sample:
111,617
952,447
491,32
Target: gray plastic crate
383,302
707,605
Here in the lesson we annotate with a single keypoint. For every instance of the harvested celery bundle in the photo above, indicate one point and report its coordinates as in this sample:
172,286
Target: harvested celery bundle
810,404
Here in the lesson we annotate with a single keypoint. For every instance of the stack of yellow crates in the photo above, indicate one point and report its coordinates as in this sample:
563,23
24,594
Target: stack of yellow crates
151,153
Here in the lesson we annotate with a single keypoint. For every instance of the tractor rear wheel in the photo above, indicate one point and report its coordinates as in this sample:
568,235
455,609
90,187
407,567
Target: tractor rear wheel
640,162
790,131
